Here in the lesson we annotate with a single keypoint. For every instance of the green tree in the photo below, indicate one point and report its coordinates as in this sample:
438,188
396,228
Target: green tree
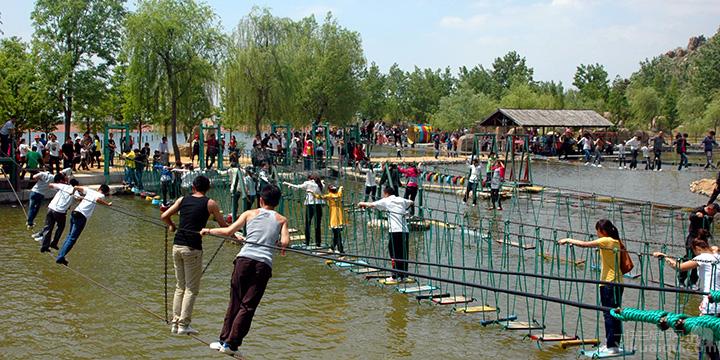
462,109
397,107
372,84
477,78
712,112
617,103
76,39
425,88
508,71
522,96
645,105
691,110
705,67
255,87
170,44
592,82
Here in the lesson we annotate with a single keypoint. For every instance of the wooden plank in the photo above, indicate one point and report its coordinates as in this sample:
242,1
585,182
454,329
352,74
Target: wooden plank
578,342
292,230
475,309
516,244
364,270
457,299
396,282
546,337
417,289
597,354
342,264
522,325
431,296
563,260
377,276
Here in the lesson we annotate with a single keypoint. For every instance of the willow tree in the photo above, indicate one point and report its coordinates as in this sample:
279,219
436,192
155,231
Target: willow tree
256,86
168,41
76,40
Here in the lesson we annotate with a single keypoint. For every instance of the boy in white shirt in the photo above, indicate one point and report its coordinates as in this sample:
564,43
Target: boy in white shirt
396,208
56,214
370,183
80,216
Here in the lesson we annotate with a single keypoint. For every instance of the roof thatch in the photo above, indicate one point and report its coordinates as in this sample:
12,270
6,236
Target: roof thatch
546,118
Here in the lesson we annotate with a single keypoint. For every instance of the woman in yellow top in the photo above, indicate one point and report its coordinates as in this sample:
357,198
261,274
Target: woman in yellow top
337,219
610,295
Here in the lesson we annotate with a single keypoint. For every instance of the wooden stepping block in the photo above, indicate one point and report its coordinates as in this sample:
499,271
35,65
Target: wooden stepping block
522,325
597,354
578,342
396,282
553,337
380,275
342,264
475,309
365,270
458,299
516,244
292,230
297,237
417,289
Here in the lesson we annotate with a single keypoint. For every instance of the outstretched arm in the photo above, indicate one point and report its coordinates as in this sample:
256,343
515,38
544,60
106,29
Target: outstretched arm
166,217
684,266
580,243
229,230
214,209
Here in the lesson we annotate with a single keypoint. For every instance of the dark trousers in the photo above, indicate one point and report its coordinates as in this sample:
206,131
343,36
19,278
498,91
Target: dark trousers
688,278
52,219
337,240
248,202
54,162
611,296
370,192
67,163
471,188
495,198
411,193
164,186
683,161
77,224
247,286
4,145
139,177
313,210
657,160
714,194
210,160
633,159
398,249
36,200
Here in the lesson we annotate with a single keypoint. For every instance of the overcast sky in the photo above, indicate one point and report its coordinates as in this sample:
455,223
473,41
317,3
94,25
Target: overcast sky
554,35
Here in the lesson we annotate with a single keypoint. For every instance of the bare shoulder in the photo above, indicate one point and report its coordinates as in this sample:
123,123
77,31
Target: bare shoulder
281,219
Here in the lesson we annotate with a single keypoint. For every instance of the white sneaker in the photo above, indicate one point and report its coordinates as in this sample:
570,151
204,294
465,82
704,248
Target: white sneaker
620,168
599,165
593,165
609,350
29,227
587,163
225,349
173,329
39,238
659,169
186,330
390,279
216,345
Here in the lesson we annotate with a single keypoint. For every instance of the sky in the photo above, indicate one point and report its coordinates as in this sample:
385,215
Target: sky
555,36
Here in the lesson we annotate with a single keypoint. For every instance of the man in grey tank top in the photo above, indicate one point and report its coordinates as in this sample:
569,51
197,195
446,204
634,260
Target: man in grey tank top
253,265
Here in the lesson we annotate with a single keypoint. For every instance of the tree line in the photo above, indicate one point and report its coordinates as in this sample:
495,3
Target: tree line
168,63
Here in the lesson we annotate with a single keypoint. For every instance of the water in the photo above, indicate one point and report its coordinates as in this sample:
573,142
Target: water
309,311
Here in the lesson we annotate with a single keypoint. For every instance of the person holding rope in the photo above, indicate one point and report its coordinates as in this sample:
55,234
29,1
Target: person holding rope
396,208
473,180
39,191
707,263
80,216
610,247
194,210
252,266
56,214
700,218
313,186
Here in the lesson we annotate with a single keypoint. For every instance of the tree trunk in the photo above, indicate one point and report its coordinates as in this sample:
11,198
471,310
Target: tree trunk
173,109
140,125
257,124
68,116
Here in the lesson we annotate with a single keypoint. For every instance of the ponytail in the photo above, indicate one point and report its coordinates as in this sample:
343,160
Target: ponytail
607,227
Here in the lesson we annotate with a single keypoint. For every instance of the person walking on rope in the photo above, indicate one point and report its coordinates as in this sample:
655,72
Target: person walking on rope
610,246
396,208
700,218
252,266
391,177
56,215
39,191
370,183
194,210
313,206
657,144
498,177
707,263
80,216
411,188
708,144
337,222
473,180
634,145
492,157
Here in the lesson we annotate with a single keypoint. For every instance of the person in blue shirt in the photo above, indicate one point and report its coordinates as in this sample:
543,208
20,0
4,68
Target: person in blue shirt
708,144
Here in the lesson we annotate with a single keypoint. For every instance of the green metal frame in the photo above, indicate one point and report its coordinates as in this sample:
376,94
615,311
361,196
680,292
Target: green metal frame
287,160
106,150
201,153
523,167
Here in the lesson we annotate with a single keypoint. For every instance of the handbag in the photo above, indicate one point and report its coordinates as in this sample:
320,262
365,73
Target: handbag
626,263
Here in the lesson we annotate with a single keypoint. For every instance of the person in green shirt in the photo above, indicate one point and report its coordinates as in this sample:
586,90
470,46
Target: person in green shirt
489,168
34,161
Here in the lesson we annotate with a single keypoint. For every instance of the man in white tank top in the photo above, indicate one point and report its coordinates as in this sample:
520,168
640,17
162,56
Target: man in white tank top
253,265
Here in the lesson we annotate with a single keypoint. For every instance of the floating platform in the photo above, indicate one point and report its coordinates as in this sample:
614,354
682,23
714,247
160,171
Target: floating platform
597,354
396,282
516,244
475,309
547,337
578,342
499,320
450,300
297,238
417,289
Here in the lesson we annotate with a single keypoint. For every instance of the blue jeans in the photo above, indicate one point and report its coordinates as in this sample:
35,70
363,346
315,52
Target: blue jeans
129,176
138,179
36,200
611,296
77,224
683,161
586,153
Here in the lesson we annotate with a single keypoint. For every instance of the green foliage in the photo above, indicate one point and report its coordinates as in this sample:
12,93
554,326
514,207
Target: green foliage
592,82
508,71
397,106
618,104
645,104
522,96
712,112
425,89
172,48
373,99
77,42
462,109
705,68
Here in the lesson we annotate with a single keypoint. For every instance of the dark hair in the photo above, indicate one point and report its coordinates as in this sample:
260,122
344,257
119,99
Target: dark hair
103,189
317,179
389,190
607,227
74,182
712,133
59,177
271,195
701,240
201,184
34,148
703,234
